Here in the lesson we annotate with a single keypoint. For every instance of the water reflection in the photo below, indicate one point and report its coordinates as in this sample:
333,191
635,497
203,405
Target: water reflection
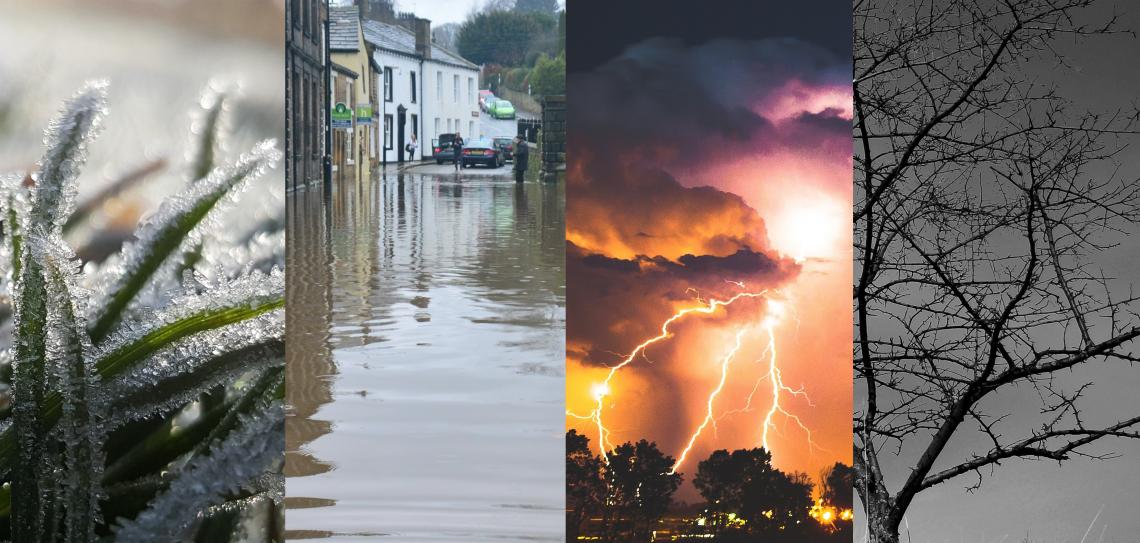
426,343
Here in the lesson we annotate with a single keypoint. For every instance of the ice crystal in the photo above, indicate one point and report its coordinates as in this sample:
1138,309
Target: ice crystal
176,227
68,355
66,139
179,373
209,333
206,481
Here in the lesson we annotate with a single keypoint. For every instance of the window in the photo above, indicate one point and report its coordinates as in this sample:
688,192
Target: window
416,126
305,24
437,127
387,132
471,91
449,126
455,83
314,127
413,87
471,129
296,12
387,83
439,86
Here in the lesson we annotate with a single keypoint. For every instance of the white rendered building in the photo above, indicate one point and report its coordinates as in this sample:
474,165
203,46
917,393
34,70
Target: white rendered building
423,89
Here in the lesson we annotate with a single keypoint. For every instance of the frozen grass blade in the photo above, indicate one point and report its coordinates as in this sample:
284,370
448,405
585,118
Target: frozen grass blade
160,448
253,447
72,467
68,350
31,486
207,128
67,138
193,315
181,373
174,227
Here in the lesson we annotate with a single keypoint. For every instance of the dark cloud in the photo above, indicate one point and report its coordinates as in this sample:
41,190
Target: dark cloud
618,302
623,210
669,105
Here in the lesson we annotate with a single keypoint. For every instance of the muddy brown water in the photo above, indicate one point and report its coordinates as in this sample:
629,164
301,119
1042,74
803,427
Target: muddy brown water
426,319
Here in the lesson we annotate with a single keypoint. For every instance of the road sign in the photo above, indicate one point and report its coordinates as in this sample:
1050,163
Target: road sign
341,116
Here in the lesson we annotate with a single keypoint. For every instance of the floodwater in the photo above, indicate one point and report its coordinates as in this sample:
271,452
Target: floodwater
425,363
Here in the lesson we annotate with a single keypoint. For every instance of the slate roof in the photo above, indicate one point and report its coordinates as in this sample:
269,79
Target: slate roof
401,41
344,27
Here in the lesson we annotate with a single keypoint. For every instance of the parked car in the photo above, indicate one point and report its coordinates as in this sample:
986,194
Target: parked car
501,109
443,148
506,146
482,151
485,99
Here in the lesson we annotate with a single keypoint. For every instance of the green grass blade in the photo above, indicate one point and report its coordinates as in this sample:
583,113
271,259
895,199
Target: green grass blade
173,226
68,350
135,352
28,433
67,139
213,105
242,457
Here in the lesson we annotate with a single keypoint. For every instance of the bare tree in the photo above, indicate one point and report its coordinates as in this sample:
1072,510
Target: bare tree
982,201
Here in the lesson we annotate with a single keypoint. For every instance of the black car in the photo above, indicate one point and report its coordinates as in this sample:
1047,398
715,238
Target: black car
443,148
507,147
482,151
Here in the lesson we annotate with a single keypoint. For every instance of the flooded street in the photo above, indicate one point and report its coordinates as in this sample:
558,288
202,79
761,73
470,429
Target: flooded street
425,364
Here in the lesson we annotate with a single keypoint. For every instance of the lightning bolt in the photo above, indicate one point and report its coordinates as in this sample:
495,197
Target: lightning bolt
602,390
712,398
778,385
776,312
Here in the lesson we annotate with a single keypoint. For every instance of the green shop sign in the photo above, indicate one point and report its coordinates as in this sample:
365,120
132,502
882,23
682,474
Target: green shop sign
364,113
341,116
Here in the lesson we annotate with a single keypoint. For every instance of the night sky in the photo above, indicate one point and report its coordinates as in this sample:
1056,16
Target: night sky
601,33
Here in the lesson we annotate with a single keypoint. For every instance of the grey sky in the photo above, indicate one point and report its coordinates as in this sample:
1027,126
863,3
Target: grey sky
441,11
1041,500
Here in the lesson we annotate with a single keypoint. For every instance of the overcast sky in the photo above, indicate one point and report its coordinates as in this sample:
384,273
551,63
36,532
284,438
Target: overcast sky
441,11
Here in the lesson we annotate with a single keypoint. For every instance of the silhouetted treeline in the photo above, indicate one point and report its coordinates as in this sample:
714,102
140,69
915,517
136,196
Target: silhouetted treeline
745,497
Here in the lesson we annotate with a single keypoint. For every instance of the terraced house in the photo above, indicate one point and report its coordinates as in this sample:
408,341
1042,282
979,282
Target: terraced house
422,89
304,91
351,86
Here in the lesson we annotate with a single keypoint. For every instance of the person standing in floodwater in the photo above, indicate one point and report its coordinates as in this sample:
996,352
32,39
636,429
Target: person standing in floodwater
522,154
458,145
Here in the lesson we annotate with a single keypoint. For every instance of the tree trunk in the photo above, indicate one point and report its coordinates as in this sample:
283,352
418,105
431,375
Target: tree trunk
879,507
880,531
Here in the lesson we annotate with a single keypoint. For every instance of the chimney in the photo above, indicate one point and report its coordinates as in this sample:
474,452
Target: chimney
423,38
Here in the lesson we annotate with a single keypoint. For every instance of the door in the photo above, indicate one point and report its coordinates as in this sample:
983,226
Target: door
401,115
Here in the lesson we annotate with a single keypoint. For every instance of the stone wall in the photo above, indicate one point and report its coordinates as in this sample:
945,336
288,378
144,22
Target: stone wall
553,137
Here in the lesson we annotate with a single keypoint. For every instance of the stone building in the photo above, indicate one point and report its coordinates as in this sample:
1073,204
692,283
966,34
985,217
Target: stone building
305,90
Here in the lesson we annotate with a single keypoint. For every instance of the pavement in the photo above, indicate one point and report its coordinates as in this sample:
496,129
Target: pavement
490,128
447,168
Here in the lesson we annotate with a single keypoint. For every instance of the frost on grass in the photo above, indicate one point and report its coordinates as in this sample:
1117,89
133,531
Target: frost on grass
206,481
180,373
177,227
69,355
85,363
66,140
